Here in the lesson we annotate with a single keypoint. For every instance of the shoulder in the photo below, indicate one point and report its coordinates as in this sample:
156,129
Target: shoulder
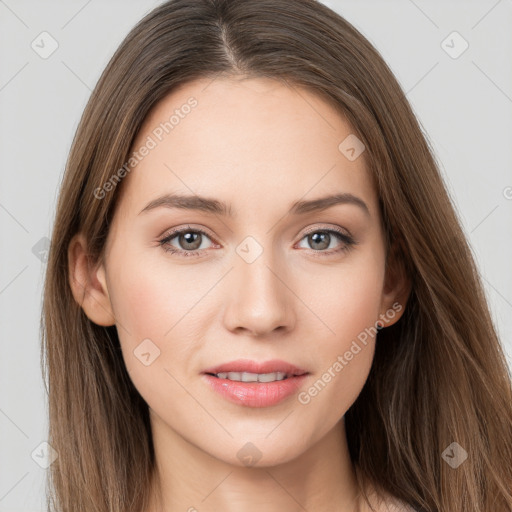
396,506
390,504
384,502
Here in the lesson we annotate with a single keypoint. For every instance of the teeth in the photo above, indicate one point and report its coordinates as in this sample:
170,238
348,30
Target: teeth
269,377
252,377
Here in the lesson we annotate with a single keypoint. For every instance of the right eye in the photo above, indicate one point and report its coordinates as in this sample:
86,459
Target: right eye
189,239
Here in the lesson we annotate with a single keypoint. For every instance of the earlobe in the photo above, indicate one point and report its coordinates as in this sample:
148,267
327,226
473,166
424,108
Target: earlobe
88,283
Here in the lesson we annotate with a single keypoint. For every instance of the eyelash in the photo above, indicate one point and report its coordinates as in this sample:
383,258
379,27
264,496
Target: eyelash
164,242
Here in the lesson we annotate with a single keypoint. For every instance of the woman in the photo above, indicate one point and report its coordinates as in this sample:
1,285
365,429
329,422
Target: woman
325,337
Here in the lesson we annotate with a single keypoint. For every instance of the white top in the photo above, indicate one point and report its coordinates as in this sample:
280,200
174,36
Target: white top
399,506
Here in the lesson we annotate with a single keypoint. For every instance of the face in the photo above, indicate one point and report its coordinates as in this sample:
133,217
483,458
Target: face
257,273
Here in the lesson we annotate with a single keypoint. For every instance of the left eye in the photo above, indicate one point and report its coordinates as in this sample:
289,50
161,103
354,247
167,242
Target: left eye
323,238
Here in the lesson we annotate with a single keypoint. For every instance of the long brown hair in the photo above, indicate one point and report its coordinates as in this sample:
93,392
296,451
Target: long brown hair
439,375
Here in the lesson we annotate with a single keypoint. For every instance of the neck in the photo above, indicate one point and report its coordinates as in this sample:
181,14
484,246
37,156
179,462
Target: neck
189,479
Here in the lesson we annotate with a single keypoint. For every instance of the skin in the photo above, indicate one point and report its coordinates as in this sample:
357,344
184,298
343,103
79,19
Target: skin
258,145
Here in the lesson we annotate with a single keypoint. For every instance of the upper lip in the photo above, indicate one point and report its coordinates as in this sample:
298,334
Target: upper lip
246,365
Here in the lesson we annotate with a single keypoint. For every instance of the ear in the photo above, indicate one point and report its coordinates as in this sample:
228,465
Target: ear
396,290
88,283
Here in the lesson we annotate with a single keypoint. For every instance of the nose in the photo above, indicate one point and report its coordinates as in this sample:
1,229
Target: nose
260,300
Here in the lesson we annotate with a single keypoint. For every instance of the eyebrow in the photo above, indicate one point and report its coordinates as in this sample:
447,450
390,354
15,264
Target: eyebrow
209,205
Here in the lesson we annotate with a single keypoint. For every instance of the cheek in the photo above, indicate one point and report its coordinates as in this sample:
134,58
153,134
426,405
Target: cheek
160,309
141,303
346,297
350,307
152,296
150,311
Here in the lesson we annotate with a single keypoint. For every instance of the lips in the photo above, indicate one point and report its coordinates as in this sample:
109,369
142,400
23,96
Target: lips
263,393
248,366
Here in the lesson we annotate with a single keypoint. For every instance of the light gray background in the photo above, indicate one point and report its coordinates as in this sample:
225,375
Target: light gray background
464,105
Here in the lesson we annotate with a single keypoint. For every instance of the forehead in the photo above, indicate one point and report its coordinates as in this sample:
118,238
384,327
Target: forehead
247,141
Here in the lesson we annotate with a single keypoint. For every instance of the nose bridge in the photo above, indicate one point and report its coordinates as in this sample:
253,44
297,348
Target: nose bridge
260,301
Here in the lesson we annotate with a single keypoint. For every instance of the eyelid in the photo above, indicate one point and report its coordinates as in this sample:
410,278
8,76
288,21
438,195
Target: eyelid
191,227
341,231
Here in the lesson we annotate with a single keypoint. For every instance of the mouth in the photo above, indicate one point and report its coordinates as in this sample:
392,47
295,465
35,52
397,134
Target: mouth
254,384
254,377
245,370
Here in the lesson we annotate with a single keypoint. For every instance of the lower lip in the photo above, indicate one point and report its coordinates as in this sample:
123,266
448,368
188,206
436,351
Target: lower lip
255,394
